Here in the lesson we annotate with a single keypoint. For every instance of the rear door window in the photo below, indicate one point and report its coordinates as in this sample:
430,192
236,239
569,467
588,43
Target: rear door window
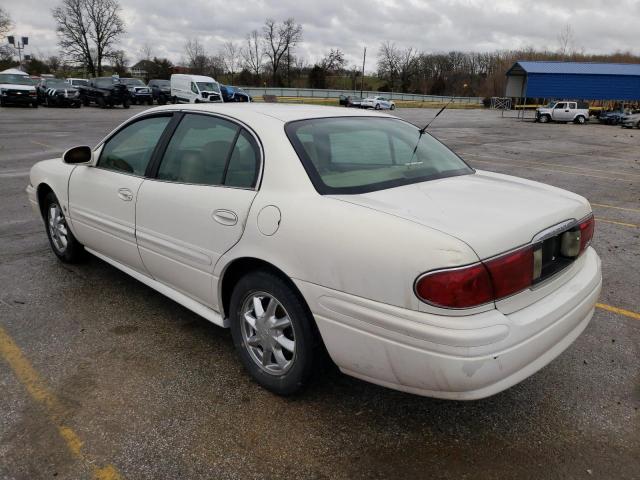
207,150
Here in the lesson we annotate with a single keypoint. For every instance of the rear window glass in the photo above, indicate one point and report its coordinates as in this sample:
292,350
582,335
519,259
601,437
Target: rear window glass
364,154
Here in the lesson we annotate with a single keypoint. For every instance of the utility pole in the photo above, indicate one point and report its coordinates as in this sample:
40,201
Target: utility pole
18,45
364,59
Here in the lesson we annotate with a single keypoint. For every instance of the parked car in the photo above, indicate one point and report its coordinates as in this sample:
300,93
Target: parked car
105,92
17,90
160,90
54,92
195,89
577,112
77,82
631,120
378,103
611,117
366,236
350,101
234,94
138,91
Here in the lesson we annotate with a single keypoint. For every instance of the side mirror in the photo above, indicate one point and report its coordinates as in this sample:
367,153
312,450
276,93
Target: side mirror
77,155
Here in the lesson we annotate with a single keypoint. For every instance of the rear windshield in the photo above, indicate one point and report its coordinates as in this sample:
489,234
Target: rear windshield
56,84
105,82
364,154
132,81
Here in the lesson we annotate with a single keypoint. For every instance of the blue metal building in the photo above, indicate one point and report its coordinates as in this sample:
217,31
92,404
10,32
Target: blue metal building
574,80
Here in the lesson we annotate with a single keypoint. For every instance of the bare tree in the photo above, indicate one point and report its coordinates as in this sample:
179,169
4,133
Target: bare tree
388,62
279,39
53,62
565,40
104,16
119,62
253,53
197,59
88,30
5,23
146,51
407,67
230,55
333,61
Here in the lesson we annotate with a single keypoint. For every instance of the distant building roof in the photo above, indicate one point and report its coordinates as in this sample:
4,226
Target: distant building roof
14,71
575,68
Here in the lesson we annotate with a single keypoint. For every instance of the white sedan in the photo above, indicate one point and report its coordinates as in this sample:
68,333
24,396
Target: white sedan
378,103
303,228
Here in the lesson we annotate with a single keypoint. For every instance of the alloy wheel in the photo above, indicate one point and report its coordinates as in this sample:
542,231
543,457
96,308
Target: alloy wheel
267,333
58,228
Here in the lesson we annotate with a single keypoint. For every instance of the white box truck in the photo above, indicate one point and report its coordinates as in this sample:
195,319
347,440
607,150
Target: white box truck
194,89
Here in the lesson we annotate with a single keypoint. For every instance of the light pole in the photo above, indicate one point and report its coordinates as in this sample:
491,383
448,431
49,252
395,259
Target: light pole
364,59
18,45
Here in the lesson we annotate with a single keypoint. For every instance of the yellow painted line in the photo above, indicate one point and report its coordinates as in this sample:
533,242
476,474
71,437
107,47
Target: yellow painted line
619,311
43,144
37,389
586,169
604,205
546,169
615,222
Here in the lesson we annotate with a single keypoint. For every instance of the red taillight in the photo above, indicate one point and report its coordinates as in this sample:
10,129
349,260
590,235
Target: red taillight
494,279
586,232
480,283
512,272
457,288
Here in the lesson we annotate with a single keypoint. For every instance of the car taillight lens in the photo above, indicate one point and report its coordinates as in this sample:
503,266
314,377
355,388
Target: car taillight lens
512,272
480,283
500,277
456,288
587,228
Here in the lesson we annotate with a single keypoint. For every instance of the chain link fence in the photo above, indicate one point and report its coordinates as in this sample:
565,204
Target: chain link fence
327,93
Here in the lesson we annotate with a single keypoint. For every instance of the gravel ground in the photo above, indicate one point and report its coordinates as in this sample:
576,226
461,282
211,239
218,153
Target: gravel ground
157,392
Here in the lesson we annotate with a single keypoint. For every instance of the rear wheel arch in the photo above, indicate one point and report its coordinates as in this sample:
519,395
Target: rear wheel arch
242,266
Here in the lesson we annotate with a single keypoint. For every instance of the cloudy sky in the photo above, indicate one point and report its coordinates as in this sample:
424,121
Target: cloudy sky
599,26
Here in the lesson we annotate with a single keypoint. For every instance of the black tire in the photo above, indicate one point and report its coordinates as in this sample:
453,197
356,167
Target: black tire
307,344
393,107
101,102
150,102
377,107
125,104
162,101
544,119
85,101
580,120
34,104
73,252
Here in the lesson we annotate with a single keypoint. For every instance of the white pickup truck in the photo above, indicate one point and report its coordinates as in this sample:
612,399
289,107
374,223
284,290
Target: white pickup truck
577,112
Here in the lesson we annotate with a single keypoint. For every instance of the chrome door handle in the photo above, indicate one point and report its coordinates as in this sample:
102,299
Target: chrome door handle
125,194
225,217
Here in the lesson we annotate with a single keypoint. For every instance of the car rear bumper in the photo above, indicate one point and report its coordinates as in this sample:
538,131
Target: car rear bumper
462,358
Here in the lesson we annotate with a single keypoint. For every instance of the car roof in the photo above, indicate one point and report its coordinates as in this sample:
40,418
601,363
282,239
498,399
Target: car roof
282,112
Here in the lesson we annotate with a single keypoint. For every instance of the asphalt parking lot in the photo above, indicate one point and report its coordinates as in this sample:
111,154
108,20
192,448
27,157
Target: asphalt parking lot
102,377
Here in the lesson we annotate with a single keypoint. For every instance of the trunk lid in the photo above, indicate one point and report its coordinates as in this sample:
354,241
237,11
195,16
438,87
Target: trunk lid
491,212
